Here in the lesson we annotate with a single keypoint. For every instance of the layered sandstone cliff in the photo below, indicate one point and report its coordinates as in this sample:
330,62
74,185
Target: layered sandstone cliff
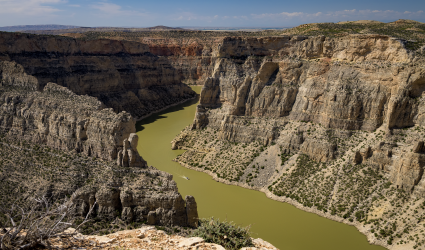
59,118
123,75
354,82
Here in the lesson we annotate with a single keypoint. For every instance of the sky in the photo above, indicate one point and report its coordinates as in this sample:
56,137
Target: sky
215,13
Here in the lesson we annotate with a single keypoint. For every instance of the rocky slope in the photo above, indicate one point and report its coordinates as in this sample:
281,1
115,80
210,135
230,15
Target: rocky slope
123,75
65,146
333,125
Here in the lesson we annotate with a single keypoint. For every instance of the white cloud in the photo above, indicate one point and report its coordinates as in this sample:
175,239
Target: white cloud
74,5
340,15
29,7
112,9
283,15
189,16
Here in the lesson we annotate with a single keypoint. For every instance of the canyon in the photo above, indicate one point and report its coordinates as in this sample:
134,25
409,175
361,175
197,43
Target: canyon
331,124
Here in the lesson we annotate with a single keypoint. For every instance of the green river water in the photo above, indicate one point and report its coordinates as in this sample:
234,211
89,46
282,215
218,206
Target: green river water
281,224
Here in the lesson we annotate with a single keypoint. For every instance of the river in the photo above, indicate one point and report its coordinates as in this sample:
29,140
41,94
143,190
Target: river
281,224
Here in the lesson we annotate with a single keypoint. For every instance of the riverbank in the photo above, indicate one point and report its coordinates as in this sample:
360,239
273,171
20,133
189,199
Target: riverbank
360,227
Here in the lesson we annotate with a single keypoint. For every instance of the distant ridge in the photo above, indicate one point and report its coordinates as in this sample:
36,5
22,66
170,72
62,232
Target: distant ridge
162,27
63,29
36,27
218,28
54,29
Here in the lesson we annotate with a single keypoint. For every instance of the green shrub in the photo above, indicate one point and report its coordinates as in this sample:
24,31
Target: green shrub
223,233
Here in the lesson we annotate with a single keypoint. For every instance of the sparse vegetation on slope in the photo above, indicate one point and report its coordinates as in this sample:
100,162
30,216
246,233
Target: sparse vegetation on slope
357,193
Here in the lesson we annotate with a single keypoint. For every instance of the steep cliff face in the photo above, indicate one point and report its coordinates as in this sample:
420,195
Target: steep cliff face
123,75
59,118
354,82
357,82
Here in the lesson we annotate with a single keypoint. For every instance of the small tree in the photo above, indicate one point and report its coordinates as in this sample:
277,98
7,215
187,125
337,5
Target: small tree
223,233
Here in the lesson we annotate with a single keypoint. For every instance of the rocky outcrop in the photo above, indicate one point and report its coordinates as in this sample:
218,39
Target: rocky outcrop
123,75
148,237
408,170
129,156
152,198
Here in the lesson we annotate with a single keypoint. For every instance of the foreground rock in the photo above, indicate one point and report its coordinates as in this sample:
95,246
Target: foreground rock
148,237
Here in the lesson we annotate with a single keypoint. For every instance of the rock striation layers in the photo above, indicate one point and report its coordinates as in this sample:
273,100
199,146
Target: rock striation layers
59,118
123,75
355,82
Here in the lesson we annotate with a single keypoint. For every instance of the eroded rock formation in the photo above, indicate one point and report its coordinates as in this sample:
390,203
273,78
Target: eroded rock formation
152,198
357,82
129,156
59,118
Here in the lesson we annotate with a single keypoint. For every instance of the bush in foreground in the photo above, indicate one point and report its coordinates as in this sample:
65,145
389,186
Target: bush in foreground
223,233
37,224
